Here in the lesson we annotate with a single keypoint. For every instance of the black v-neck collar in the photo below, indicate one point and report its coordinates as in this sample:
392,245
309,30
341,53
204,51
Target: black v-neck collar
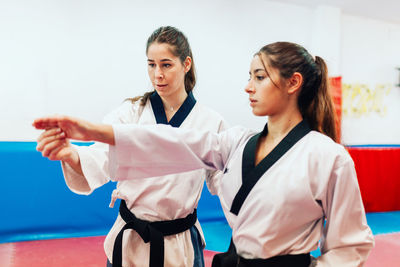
249,153
251,173
179,116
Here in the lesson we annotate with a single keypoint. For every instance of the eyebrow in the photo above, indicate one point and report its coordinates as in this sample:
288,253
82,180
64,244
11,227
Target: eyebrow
162,60
257,70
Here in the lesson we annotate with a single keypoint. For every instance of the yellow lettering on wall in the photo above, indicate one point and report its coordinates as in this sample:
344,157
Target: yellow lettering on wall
360,100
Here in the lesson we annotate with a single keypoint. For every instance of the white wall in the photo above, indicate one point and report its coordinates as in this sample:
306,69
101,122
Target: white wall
83,58
370,53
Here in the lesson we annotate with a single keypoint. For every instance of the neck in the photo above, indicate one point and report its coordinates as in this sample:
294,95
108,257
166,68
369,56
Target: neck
280,126
173,102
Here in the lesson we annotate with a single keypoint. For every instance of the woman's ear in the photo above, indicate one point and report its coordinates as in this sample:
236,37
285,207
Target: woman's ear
187,64
295,82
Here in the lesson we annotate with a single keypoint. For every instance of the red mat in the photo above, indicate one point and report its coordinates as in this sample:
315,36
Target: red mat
386,252
88,251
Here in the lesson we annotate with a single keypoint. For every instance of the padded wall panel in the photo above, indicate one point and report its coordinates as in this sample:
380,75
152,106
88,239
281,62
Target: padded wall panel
378,173
37,204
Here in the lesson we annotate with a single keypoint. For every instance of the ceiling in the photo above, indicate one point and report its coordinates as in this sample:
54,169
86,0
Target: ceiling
386,10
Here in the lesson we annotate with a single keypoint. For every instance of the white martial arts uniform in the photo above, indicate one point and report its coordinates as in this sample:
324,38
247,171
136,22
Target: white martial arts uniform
155,199
285,211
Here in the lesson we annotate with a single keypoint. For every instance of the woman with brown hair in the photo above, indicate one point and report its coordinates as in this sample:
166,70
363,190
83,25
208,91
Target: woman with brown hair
157,224
284,189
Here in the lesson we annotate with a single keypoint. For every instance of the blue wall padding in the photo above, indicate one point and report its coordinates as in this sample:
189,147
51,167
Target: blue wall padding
384,222
36,203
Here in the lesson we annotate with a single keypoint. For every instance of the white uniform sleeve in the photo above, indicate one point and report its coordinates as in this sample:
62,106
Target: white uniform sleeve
156,150
213,177
94,158
347,239
94,163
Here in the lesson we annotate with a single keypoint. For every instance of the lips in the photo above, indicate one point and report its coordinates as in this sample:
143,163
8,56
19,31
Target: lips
160,86
252,101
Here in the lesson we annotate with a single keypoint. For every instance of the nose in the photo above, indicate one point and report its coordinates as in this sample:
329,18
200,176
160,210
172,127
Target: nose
249,87
159,74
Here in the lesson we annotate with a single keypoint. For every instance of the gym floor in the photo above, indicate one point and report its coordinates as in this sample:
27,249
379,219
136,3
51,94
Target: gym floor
88,251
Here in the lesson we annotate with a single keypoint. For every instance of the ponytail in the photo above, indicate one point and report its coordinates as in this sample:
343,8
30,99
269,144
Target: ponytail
320,112
143,99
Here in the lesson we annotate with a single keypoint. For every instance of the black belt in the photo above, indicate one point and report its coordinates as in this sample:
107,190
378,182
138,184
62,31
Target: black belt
298,260
152,232
232,259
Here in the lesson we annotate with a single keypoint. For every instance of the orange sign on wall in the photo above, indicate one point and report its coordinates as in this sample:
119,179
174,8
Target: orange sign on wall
336,92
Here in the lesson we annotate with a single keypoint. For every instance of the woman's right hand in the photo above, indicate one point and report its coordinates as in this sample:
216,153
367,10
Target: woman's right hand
55,146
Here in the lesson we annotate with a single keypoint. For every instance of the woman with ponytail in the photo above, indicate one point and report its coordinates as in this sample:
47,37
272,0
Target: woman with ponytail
286,190
157,223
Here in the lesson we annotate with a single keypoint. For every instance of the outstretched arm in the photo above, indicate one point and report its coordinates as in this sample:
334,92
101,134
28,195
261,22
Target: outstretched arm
77,129
151,150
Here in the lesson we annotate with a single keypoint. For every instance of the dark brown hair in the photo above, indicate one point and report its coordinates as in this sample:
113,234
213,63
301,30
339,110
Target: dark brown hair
180,48
314,101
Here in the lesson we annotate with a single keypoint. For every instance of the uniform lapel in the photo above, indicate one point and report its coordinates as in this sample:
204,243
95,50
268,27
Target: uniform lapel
180,115
158,108
249,156
251,173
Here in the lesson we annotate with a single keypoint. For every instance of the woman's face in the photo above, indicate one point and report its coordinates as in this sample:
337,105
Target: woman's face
266,99
166,71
